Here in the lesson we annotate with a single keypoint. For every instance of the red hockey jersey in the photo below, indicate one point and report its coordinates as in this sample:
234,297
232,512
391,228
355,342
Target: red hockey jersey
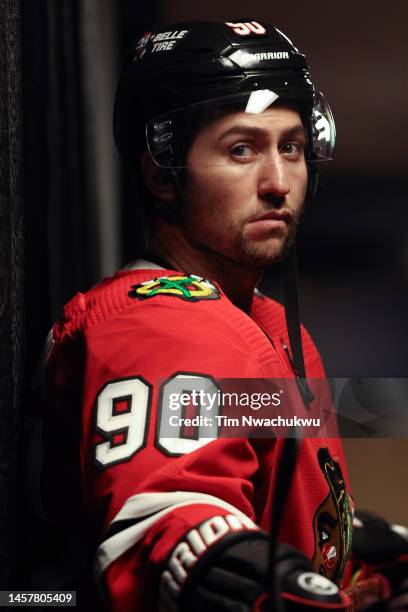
111,357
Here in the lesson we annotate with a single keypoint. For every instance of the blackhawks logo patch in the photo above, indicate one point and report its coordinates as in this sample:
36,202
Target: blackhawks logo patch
191,288
332,523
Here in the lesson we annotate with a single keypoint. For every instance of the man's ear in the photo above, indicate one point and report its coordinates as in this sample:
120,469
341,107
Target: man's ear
157,179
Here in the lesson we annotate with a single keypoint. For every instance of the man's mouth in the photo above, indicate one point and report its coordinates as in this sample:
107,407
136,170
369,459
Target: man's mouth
269,221
281,216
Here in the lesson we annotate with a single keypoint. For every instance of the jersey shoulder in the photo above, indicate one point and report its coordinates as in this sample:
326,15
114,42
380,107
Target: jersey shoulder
142,303
156,305
129,288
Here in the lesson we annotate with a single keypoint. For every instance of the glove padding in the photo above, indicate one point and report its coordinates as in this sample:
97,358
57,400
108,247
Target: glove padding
375,540
384,548
234,575
239,579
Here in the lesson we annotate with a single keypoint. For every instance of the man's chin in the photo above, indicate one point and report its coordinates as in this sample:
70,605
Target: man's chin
267,254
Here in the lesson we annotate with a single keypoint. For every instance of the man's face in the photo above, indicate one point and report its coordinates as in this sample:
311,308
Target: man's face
245,185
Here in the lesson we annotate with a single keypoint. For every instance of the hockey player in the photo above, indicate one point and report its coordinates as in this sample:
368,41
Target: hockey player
225,132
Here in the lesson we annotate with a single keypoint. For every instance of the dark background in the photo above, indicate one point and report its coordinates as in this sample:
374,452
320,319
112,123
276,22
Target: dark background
80,216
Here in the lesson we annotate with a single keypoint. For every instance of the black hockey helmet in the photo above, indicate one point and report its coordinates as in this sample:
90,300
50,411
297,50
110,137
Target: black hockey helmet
174,74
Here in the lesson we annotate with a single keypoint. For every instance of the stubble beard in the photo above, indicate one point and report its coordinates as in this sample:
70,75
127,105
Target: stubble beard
229,241
267,253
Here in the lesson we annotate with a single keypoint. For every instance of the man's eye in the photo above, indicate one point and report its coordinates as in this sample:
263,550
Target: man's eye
292,149
242,150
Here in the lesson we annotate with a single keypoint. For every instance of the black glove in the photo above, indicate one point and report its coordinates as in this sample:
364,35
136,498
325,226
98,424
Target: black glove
384,548
234,575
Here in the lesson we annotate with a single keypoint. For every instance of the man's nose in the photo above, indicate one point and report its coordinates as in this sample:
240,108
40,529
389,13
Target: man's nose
273,177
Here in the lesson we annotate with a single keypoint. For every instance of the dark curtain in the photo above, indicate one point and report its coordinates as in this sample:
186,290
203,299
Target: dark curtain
72,243
32,533
11,279
132,23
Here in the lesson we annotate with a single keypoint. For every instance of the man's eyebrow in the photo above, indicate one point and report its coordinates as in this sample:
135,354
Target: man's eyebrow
296,130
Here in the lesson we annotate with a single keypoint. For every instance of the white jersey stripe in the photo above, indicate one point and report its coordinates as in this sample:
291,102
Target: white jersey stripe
154,506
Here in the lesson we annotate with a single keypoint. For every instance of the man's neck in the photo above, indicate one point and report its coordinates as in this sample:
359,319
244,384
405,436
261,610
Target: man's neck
169,244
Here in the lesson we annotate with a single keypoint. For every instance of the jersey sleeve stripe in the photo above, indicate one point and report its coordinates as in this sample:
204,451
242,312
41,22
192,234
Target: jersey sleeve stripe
147,509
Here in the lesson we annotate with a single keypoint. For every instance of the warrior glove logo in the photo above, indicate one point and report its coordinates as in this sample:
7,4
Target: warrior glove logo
246,59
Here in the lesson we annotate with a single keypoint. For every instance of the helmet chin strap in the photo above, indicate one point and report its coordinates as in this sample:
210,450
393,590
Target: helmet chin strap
312,183
289,454
289,280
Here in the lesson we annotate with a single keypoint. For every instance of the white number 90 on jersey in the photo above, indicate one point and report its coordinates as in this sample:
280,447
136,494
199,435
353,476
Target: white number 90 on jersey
123,417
